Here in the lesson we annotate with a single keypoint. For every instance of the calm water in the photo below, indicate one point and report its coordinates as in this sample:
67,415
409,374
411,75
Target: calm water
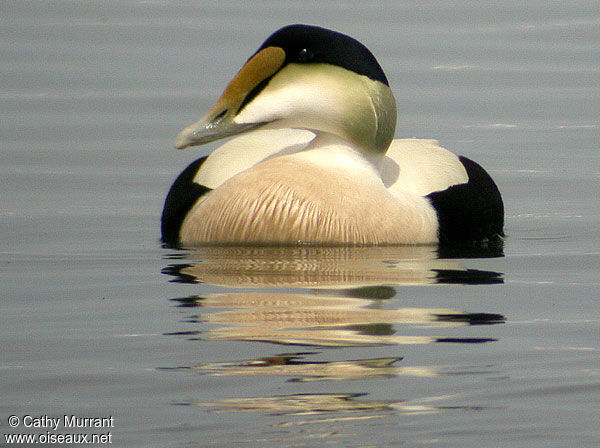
297,347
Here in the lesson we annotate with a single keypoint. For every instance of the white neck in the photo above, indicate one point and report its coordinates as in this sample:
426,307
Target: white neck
325,98
330,149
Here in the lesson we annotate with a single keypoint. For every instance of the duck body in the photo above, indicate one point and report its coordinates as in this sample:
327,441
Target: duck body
316,162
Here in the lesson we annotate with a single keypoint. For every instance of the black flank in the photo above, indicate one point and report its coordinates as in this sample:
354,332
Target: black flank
181,198
470,213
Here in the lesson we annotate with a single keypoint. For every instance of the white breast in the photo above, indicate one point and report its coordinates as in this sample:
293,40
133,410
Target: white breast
324,195
247,150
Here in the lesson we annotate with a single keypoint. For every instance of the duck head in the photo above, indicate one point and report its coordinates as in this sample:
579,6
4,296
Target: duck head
305,77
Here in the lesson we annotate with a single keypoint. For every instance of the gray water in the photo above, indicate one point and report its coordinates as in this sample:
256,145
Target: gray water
297,347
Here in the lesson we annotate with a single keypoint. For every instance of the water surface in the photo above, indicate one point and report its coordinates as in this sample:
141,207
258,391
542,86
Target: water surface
287,346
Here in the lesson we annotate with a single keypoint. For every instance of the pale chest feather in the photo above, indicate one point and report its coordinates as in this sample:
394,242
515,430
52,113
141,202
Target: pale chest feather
288,200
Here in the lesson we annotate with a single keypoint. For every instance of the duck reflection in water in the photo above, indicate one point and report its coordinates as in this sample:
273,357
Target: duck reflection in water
321,268
375,191
321,297
325,321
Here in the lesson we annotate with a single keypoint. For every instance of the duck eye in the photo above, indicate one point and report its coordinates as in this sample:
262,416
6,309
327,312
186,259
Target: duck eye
305,55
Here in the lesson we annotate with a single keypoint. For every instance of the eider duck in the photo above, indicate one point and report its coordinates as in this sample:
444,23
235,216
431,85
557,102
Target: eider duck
317,162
